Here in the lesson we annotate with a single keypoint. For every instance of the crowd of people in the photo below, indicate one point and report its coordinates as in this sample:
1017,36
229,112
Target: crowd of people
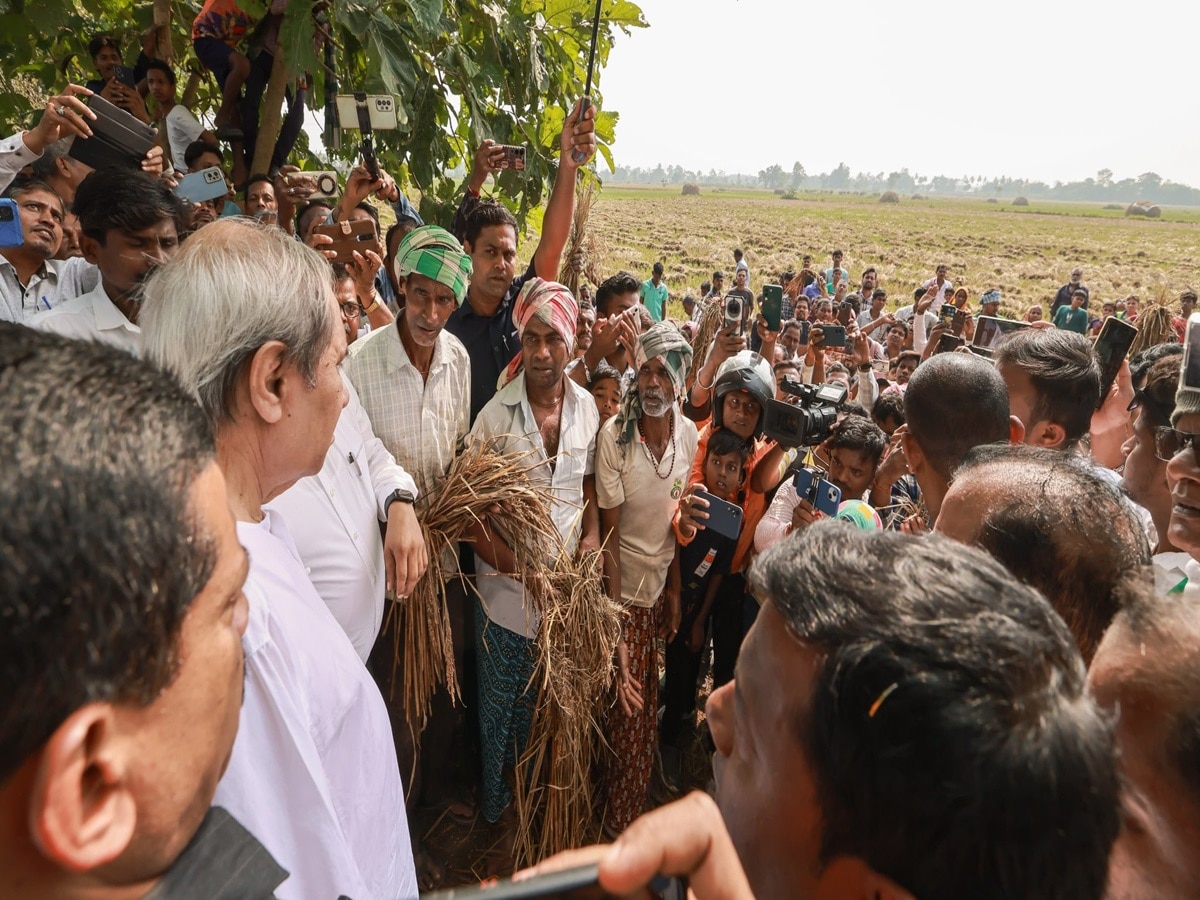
945,590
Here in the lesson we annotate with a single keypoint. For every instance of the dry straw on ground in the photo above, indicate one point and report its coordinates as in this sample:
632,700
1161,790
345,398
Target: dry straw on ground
554,789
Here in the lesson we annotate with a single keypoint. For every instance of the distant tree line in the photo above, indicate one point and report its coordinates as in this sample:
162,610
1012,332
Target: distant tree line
1104,187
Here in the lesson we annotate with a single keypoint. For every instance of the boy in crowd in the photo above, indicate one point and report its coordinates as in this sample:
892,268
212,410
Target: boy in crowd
130,225
854,451
699,567
1073,318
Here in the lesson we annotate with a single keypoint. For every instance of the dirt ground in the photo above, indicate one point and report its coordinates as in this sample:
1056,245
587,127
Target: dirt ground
471,851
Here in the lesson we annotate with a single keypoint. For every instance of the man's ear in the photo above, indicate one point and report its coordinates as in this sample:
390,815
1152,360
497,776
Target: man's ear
914,456
1046,434
90,247
81,811
265,385
849,877
467,248
1016,430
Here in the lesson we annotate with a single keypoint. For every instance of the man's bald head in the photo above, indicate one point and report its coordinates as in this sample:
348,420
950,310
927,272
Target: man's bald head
1055,525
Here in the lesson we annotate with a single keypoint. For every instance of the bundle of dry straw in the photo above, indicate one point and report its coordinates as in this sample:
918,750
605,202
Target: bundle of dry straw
480,484
583,250
1154,327
573,673
711,321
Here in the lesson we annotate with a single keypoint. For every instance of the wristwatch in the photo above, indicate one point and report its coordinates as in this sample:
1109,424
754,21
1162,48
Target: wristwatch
400,495
864,367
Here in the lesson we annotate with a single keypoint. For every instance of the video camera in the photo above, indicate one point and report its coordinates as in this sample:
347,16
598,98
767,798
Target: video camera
807,421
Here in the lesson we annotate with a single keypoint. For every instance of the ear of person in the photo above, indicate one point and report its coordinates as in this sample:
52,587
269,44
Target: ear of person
267,379
848,876
82,813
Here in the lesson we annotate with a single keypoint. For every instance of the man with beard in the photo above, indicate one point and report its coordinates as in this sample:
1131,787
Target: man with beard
550,422
129,225
643,456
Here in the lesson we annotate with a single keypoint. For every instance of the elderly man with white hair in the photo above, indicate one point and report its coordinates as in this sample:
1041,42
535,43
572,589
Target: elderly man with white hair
246,318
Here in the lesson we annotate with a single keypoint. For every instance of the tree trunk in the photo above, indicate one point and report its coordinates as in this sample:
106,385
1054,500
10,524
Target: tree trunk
272,113
162,28
191,90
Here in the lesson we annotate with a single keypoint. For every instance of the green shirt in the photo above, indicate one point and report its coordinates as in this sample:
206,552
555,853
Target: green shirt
654,298
1071,319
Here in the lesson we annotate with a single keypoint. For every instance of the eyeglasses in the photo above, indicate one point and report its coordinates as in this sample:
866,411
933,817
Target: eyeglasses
1169,443
350,310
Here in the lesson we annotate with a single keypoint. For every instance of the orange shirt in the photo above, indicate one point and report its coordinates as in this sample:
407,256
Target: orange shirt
753,508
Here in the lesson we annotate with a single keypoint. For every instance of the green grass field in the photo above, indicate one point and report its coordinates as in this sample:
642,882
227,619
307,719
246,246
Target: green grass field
1026,252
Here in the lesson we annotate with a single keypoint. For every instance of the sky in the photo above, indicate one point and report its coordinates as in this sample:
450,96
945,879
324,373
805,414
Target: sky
1053,90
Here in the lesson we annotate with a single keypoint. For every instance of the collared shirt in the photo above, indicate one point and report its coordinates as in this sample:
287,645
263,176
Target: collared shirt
625,477
223,861
92,317
508,418
14,156
421,423
334,518
313,772
57,281
491,341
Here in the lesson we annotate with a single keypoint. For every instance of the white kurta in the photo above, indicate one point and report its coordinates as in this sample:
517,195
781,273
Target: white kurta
334,519
313,774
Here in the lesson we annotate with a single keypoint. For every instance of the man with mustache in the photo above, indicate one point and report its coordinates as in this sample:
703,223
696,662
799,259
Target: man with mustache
643,457
129,225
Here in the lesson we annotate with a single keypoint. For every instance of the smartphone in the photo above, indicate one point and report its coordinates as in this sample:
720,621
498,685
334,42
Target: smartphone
379,112
118,139
735,313
772,306
990,331
1189,373
1112,346
327,183
11,234
552,884
724,518
845,311
947,314
514,157
812,486
960,322
207,184
124,74
835,335
349,236
948,343
804,326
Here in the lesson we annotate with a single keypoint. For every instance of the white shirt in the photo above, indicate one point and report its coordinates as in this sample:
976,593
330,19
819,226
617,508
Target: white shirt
313,774
182,129
14,156
57,281
946,290
625,477
509,419
776,522
92,317
334,520
422,423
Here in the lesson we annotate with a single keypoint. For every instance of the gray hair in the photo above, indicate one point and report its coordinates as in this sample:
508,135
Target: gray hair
235,285
45,165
